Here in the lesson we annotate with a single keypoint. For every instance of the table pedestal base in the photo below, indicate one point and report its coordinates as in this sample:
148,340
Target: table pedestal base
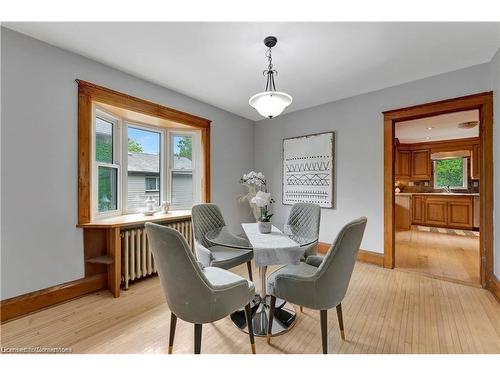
284,317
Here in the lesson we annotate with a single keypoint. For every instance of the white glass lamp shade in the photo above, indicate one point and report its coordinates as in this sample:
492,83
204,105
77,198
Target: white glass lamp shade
270,103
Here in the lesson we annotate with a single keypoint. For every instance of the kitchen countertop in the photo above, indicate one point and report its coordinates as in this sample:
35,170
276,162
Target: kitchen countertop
447,194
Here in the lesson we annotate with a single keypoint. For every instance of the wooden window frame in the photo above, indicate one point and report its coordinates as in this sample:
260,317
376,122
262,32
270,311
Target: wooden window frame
483,102
89,93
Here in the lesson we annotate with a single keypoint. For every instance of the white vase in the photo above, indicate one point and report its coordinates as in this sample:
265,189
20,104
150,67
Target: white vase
264,226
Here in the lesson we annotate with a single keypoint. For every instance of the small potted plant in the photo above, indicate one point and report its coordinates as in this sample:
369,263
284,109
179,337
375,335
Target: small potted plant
262,200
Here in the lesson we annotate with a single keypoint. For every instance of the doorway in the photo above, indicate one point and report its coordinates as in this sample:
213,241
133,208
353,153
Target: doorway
437,180
434,211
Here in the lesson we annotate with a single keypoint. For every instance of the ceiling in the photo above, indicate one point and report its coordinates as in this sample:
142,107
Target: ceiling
443,127
222,63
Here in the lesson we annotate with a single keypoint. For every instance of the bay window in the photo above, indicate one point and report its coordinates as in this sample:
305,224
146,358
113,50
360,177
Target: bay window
135,161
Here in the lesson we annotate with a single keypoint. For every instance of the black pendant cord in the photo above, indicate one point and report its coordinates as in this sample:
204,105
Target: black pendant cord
270,85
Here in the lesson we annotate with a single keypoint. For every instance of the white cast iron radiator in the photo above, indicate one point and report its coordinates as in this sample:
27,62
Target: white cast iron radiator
137,258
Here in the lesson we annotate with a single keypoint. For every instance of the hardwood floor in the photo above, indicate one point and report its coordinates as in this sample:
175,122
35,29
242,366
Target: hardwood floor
447,256
385,311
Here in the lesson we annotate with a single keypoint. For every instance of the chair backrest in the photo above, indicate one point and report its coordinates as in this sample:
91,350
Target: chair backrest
335,271
185,286
306,216
205,217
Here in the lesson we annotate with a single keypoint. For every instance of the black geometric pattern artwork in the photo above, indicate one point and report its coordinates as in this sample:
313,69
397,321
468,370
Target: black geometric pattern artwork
308,169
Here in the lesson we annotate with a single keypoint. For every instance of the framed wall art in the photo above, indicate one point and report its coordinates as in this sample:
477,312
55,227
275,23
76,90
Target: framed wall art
309,169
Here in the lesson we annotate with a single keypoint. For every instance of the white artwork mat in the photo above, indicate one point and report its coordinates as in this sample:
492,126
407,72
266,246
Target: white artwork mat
309,169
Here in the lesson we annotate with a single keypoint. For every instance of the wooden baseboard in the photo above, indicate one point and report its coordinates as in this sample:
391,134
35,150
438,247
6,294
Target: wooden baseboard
363,255
30,302
494,287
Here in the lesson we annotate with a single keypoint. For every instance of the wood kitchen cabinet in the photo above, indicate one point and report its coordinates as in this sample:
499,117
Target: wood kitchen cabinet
403,211
413,165
446,211
403,165
460,213
421,165
475,162
436,211
418,209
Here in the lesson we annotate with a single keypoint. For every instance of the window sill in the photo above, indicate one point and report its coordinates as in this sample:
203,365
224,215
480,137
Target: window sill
136,219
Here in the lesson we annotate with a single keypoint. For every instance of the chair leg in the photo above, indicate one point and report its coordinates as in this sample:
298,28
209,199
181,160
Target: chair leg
248,314
301,309
323,316
173,322
249,267
197,338
271,317
341,321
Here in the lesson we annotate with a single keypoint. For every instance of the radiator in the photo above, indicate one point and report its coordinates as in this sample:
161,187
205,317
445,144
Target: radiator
137,258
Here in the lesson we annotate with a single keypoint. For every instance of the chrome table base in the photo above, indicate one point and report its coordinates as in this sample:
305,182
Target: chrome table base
284,317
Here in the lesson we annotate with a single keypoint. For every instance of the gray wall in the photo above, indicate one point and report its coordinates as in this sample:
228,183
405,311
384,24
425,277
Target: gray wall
40,245
358,123
495,79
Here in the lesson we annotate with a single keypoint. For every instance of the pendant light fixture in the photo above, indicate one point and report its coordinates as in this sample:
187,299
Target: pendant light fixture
270,103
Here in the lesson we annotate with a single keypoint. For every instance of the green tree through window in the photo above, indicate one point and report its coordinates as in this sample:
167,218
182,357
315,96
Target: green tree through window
450,172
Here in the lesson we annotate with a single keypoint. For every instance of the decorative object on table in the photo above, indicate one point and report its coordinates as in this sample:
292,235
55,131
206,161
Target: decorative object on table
263,200
309,169
165,206
254,182
150,206
270,103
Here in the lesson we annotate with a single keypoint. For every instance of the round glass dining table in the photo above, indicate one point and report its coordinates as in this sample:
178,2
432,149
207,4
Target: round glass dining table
284,314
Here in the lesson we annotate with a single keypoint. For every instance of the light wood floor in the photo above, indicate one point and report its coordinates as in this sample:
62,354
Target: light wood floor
444,255
385,311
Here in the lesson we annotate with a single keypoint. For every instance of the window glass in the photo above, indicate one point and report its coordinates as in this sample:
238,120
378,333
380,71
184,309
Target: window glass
107,189
450,172
183,151
182,189
143,174
103,141
152,183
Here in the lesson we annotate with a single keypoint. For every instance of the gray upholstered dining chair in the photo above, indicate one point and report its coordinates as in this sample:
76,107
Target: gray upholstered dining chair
319,283
206,217
194,293
306,216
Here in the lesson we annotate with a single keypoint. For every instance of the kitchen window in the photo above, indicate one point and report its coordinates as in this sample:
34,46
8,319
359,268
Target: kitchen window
451,173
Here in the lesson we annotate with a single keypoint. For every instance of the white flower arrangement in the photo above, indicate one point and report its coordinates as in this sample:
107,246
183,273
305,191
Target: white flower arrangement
257,195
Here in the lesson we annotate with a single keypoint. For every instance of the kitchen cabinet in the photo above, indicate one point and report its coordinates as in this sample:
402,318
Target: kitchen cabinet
418,209
403,165
413,165
436,211
446,211
475,162
403,211
421,165
460,213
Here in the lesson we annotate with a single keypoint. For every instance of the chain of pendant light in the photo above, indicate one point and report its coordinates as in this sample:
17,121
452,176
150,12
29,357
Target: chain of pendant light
270,86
